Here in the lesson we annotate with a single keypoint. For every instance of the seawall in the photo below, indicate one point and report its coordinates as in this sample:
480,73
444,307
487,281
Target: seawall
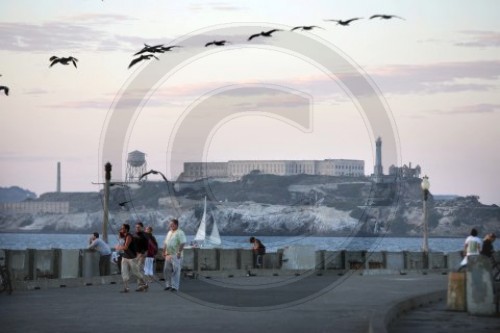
34,269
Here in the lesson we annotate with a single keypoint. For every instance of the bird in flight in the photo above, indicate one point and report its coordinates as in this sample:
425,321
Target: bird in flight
122,204
217,43
168,48
264,34
5,90
63,61
306,27
346,22
385,17
154,172
141,58
151,49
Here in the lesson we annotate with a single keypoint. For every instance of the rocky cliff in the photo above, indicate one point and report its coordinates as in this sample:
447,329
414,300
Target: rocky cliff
268,204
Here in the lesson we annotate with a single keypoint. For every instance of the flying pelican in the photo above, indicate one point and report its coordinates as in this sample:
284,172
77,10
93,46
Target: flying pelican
168,48
154,172
152,49
64,61
5,89
217,43
385,17
264,34
122,204
346,22
142,57
306,27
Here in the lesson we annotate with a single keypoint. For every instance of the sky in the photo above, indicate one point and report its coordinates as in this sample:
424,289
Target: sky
432,90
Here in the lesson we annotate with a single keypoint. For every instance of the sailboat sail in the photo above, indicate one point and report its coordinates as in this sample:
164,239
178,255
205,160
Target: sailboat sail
201,239
214,238
201,233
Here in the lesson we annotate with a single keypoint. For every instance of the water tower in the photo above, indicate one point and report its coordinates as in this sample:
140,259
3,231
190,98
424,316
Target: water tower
136,166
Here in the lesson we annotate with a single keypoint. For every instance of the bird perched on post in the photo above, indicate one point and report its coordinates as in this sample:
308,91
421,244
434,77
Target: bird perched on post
346,22
64,61
217,43
154,172
5,89
385,17
141,58
264,34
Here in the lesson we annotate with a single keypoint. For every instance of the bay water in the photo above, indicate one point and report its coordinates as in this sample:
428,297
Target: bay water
21,241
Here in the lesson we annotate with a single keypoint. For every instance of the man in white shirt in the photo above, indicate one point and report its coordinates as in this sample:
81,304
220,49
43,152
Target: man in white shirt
472,247
172,251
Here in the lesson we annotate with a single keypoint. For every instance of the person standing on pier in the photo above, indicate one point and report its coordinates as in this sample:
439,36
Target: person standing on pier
258,252
172,251
129,262
472,247
141,240
95,243
487,248
149,270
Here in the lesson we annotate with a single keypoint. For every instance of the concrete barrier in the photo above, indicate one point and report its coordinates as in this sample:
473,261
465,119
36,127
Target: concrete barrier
456,292
334,259
375,260
90,263
354,259
437,260
19,264
69,264
246,259
395,261
298,257
45,264
414,260
207,259
479,286
228,260
31,264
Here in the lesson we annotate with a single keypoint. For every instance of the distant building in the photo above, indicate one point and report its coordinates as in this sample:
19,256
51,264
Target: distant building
35,207
406,171
237,169
395,172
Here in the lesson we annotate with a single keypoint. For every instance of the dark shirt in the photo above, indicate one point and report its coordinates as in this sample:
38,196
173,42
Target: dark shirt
487,248
258,247
130,252
141,242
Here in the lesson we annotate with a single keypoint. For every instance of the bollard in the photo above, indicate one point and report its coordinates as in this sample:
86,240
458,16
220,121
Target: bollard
456,292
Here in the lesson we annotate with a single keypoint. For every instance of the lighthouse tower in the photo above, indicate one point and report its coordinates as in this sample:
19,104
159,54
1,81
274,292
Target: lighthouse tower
378,170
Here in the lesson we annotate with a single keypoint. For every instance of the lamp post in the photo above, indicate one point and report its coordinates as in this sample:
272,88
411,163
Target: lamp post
425,190
107,177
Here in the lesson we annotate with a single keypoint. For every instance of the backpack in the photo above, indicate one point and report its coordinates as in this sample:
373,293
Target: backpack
152,248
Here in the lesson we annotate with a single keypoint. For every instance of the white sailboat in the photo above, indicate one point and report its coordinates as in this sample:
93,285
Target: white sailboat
201,239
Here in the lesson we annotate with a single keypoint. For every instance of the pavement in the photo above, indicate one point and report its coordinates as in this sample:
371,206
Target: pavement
315,302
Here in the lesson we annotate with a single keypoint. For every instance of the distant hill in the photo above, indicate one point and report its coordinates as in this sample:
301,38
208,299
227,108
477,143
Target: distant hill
15,194
265,204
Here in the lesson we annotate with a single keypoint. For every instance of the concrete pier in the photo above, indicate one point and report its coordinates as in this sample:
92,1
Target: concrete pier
344,292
